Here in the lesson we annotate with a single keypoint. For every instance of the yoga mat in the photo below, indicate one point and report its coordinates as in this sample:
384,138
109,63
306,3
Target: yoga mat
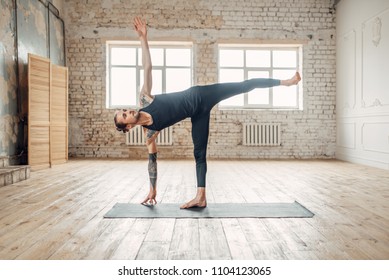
215,210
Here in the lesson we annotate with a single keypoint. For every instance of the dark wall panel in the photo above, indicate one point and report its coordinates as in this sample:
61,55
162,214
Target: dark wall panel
26,26
9,121
57,47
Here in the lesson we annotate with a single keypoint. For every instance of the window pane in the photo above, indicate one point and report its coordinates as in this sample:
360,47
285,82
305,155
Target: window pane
123,56
259,95
157,81
231,58
156,56
284,96
125,62
123,86
178,79
232,75
284,59
283,74
178,57
255,58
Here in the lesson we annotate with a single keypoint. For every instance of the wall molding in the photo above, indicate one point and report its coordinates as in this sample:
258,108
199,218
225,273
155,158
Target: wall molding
362,160
363,135
372,41
350,97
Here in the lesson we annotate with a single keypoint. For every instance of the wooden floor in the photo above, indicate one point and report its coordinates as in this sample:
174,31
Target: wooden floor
58,212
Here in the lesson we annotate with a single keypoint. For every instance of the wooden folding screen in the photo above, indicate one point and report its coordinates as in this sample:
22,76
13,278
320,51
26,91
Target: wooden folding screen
48,113
59,114
38,111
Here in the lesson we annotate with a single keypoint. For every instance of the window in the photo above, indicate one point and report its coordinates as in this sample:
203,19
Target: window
238,63
172,70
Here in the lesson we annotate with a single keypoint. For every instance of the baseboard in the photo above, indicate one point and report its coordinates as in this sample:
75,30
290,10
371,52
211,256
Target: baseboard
363,161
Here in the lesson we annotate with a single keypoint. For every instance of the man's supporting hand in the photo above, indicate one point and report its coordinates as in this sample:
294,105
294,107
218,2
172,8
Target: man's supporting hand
150,199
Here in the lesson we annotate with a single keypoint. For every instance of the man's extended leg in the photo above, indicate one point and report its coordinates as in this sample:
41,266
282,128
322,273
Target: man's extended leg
213,94
200,131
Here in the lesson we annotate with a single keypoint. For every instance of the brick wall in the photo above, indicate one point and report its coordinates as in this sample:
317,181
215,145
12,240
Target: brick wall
309,133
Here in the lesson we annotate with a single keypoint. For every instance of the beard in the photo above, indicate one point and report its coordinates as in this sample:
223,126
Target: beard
137,115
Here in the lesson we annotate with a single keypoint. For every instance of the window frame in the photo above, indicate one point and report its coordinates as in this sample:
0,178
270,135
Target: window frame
138,67
271,47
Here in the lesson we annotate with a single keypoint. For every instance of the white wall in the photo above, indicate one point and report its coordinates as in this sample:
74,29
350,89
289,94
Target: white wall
362,82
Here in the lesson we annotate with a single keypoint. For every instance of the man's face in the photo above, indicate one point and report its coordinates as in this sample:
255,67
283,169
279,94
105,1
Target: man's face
127,116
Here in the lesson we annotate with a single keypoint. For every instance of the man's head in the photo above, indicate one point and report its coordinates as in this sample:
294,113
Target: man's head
125,119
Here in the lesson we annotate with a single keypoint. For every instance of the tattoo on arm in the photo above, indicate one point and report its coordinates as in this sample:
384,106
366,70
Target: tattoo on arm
153,169
145,100
150,133
150,136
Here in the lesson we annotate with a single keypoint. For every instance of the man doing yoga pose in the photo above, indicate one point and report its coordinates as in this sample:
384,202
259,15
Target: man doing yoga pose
161,111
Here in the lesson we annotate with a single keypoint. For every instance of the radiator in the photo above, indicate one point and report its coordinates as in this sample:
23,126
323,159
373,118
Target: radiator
255,134
135,137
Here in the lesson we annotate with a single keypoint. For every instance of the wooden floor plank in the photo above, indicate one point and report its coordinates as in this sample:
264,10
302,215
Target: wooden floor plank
157,241
239,247
129,246
109,240
153,251
185,244
213,243
255,230
78,245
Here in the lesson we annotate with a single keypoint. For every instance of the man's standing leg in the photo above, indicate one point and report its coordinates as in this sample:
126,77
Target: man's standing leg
200,131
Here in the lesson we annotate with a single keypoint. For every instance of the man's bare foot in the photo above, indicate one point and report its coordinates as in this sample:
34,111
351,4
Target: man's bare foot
292,81
199,201
194,203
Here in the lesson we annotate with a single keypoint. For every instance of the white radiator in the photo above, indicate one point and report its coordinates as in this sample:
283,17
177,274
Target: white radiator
135,137
255,134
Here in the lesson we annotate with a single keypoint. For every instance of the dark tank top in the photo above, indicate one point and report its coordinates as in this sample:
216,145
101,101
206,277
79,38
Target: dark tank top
168,109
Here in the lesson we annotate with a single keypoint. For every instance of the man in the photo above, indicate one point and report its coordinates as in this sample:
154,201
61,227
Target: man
161,111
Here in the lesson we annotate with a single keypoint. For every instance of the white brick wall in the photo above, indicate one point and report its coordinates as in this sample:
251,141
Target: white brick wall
309,133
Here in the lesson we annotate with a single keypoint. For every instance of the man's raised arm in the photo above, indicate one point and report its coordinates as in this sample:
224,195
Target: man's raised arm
141,28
